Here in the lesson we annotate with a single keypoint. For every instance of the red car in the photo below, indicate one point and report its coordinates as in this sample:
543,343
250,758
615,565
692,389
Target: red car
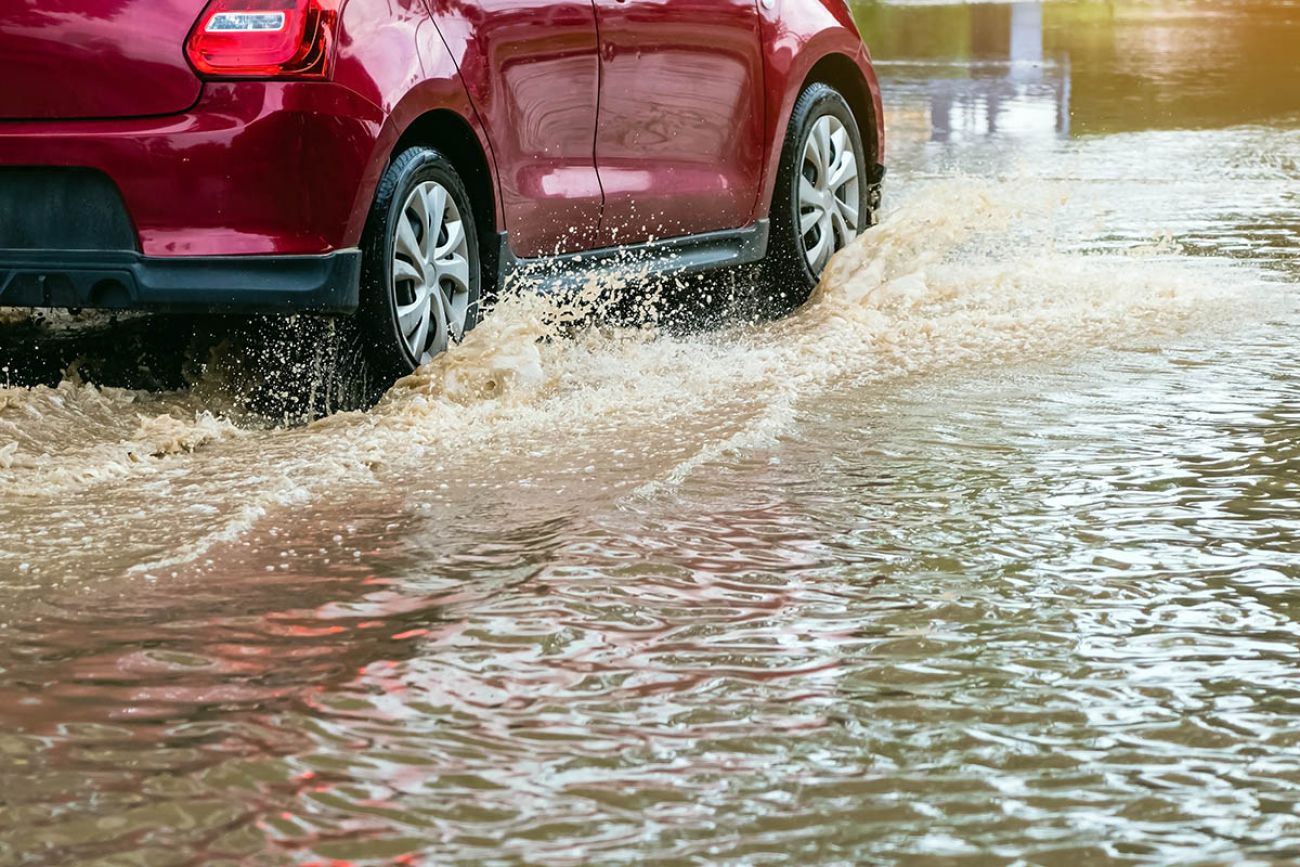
398,159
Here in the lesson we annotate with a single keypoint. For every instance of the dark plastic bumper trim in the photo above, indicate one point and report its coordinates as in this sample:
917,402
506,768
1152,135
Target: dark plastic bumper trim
124,280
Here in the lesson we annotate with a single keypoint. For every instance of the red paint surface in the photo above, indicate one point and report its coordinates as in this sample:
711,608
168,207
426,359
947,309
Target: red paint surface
532,72
603,121
96,58
679,148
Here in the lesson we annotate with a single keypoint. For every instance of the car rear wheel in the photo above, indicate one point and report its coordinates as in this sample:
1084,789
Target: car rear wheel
421,275
821,200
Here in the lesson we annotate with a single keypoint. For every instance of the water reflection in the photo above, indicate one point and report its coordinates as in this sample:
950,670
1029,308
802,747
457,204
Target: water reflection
1002,83
1068,68
1102,93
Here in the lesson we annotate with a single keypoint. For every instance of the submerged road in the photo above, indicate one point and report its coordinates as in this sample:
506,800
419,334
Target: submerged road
987,554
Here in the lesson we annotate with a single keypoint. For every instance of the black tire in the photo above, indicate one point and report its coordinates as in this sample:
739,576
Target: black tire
787,276
383,343
293,369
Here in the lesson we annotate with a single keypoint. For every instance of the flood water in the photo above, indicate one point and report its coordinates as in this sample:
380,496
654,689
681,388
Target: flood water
987,556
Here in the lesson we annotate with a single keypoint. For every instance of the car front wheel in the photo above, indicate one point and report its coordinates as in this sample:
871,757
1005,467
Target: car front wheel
821,200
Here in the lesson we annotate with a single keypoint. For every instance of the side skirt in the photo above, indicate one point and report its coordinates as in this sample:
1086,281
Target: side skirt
672,257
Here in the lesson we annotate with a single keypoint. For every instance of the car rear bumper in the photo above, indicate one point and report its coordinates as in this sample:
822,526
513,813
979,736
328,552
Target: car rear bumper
254,168
202,284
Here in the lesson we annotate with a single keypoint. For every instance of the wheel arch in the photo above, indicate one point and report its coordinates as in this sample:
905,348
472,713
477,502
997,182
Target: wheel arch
436,114
824,48
842,73
449,133
455,136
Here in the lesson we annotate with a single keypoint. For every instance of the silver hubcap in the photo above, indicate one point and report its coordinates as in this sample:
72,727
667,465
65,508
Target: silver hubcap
431,271
828,192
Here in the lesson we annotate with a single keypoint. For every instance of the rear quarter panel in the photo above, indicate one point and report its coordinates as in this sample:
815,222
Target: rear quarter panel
796,35
391,54
532,72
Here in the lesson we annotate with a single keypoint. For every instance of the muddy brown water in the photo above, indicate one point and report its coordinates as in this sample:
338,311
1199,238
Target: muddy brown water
987,556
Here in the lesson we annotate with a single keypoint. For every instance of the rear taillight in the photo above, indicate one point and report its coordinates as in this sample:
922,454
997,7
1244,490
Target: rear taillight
265,39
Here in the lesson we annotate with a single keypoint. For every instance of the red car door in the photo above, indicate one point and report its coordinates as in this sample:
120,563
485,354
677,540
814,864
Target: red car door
533,74
679,142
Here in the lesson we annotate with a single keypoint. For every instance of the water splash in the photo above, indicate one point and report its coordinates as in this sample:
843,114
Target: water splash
963,272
